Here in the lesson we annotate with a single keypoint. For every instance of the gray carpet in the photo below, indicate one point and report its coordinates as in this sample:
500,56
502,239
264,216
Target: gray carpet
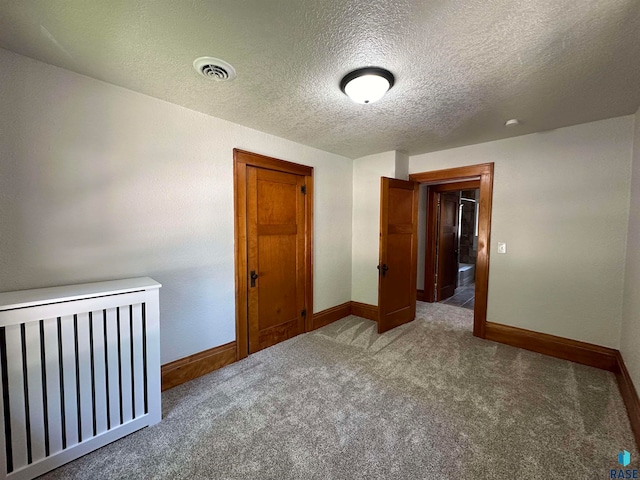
424,401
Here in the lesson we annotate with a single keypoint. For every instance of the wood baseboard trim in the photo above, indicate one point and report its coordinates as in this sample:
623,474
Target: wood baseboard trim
330,315
630,396
338,312
364,310
194,366
559,347
420,296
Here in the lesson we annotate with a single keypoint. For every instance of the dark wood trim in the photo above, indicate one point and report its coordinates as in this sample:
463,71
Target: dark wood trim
431,234
242,158
262,161
199,364
240,243
484,172
420,295
338,312
385,184
559,347
454,186
629,395
330,315
431,228
309,321
482,257
453,174
194,366
364,310
575,351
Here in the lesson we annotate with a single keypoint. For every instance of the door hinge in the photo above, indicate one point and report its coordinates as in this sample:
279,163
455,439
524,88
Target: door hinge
303,189
303,313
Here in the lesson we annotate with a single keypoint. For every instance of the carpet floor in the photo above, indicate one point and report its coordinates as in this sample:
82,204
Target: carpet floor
426,400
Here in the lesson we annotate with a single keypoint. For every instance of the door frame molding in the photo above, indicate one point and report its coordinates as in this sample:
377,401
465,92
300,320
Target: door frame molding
241,160
431,228
483,173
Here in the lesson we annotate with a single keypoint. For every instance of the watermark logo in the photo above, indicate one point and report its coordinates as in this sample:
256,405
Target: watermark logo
624,458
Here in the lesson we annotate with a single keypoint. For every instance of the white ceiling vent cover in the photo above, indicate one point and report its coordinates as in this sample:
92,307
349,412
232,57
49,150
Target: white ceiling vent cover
214,69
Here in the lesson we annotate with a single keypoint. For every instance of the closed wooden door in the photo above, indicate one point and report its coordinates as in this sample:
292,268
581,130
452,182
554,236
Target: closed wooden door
447,244
276,256
397,269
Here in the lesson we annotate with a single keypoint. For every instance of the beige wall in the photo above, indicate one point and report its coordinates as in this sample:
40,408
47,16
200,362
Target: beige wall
402,165
366,223
630,335
98,182
561,203
367,172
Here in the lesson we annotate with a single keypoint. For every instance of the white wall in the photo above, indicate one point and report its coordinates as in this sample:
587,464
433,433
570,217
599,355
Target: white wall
366,218
98,182
630,334
366,223
561,202
402,165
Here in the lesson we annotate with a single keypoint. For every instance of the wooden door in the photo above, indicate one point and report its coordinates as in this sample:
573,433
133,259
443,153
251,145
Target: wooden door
397,269
447,244
275,256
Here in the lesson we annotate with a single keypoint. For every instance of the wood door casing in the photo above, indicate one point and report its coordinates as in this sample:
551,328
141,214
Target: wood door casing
276,248
482,173
242,161
431,227
398,253
447,244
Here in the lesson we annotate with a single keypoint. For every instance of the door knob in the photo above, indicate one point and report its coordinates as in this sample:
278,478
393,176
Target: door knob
253,276
383,269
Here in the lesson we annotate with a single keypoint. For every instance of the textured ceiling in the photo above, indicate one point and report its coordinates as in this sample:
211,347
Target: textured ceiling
462,67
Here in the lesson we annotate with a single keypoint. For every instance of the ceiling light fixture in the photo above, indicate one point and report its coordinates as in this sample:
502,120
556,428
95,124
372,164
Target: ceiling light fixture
367,85
512,123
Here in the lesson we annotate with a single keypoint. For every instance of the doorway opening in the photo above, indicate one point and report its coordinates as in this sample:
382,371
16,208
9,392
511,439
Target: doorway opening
448,262
445,275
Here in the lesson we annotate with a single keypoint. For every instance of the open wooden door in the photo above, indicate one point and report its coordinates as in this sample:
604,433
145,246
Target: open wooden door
447,244
397,270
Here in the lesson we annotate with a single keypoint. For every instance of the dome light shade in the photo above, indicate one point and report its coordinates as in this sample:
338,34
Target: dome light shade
367,85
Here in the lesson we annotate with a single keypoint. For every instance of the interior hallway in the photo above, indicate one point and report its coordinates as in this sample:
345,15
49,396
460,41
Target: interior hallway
464,297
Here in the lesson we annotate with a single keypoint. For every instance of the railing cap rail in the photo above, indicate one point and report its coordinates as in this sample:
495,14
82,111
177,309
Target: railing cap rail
67,293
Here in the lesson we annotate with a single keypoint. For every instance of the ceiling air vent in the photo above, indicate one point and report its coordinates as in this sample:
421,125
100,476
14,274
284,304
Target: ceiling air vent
214,69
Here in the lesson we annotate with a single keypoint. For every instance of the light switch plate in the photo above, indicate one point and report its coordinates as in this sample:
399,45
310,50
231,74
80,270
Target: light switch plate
502,247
